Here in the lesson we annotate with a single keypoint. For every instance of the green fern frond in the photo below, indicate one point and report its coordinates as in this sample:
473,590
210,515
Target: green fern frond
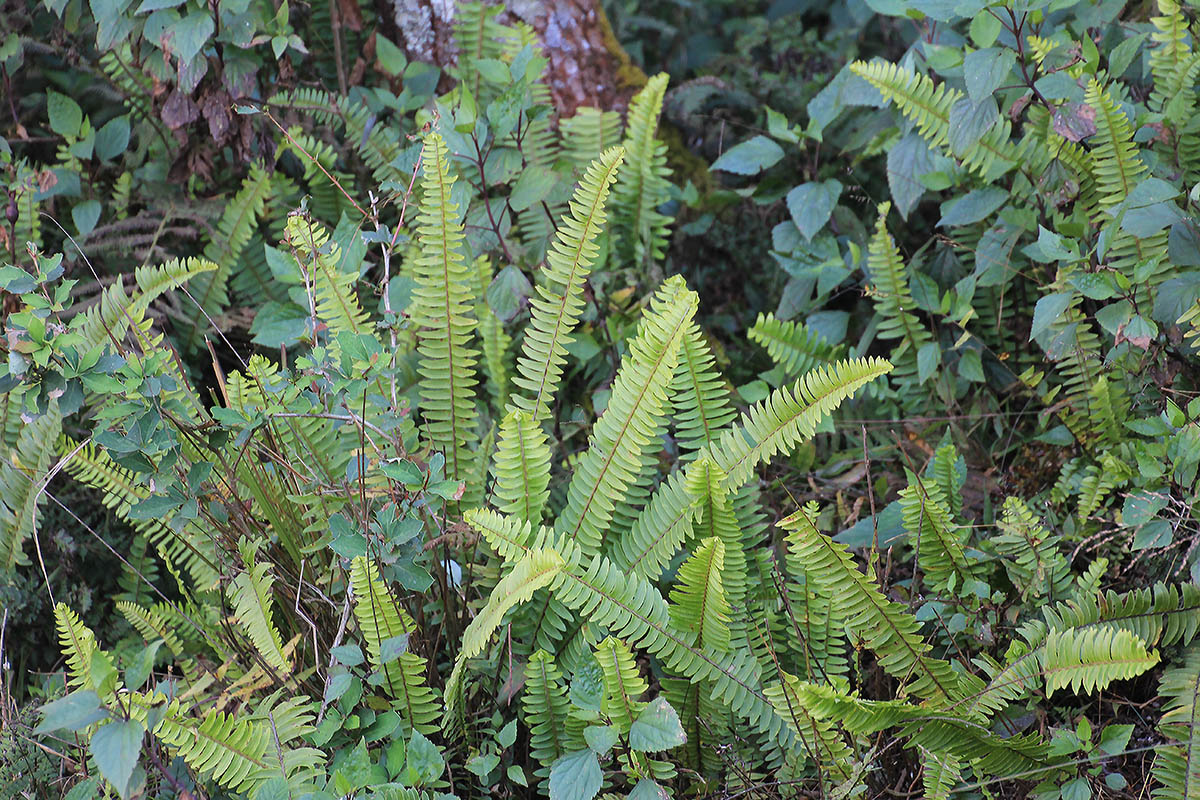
558,302
716,519
792,346
380,619
624,432
150,624
666,522
82,653
884,626
821,741
545,704
894,301
1092,659
928,106
700,395
443,311
252,605
588,132
210,290
224,749
623,684
1030,554
698,603
494,338
117,311
940,540
1177,764
326,277
940,774
534,571
522,468
640,228
790,416
23,477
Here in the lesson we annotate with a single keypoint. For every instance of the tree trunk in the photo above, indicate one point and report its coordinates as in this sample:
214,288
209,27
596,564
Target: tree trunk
587,65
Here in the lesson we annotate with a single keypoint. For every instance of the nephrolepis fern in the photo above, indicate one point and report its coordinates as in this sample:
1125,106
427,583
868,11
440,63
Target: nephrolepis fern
1177,764
640,228
792,346
23,477
381,621
443,310
558,303
895,304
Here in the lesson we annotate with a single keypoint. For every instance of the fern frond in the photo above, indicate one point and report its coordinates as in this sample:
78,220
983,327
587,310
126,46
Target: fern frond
494,338
929,105
821,742
1092,659
252,604
150,624
23,477
1177,764
545,704
794,348
887,628
588,132
700,395
330,281
443,311
380,619
666,522
790,416
224,749
1030,554
558,302
82,653
640,228
894,301
940,773
717,520
623,684
210,290
625,430
698,603
940,541
522,468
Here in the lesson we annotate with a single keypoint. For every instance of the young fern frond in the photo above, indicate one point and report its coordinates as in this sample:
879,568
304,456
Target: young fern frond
928,106
558,302
494,338
534,571
252,604
380,619
117,311
792,346
940,540
888,629
443,312
639,227
635,410
700,395
940,774
623,684
698,603
716,519
23,476
521,468
790,416
80,650
1177,764
821,742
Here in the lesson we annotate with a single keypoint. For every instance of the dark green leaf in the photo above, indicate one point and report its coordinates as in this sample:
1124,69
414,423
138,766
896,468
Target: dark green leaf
811,205
575,776
113,138
750,157
65,114
115,748
74,712
656,728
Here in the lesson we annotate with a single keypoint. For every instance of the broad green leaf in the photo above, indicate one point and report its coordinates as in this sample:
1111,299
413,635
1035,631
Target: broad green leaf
1048,309
65,114
112,138
985,27
750,157
190,34
907,161
969,121
647,789
656,728
73,712
575,776
391,58
424,759
987,70
115,748
811,205
85,216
